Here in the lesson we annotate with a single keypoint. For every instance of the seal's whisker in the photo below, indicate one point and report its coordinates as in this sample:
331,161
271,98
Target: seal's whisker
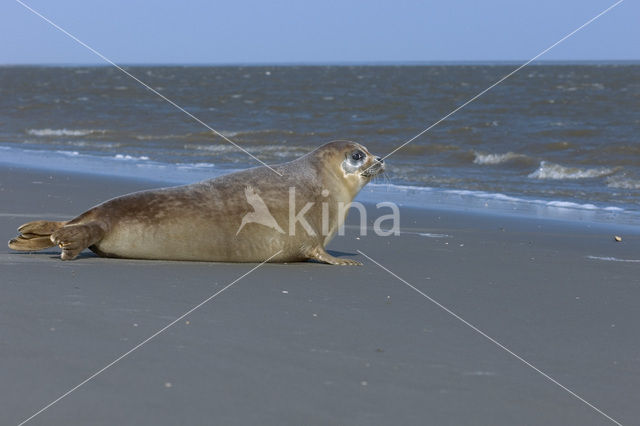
388,181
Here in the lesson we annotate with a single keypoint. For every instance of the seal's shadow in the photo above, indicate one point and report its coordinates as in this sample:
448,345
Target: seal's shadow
90,255
335,253
83,255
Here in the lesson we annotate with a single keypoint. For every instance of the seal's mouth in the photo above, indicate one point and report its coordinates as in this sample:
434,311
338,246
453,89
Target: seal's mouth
374,169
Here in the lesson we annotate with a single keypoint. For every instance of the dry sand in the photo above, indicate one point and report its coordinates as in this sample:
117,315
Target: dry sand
316,344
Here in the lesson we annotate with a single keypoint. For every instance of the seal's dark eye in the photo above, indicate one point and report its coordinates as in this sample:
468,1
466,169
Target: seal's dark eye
357,156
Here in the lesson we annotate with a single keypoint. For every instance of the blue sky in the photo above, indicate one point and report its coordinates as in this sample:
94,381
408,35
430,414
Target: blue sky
326,31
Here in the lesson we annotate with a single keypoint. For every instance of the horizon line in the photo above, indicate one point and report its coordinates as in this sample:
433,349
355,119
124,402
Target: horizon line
329,63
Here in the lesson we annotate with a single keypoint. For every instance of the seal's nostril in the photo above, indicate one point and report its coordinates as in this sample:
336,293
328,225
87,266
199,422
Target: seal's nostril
380,159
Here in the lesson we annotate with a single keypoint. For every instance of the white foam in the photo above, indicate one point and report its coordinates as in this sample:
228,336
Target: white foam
622,183
69,153
212,147
493,159
489,196
549,170
97,144
429,235
405,188
278,150
188,166
571,205
64,132
130,157
201,165
613,259
159,137
483,194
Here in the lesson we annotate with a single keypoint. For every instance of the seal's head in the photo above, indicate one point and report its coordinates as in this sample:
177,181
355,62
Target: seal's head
349,162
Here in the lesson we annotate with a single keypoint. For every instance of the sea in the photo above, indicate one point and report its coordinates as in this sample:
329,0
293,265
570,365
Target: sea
557,140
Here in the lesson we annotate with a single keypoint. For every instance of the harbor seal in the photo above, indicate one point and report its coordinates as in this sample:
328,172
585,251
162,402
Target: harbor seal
246,216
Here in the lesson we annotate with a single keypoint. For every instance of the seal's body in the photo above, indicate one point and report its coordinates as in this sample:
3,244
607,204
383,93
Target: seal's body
247,216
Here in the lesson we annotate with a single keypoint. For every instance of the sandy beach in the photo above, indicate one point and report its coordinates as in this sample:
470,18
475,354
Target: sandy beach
315,344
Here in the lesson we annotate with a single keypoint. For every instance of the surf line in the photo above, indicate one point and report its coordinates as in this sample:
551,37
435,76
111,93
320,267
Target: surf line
502,79
145,85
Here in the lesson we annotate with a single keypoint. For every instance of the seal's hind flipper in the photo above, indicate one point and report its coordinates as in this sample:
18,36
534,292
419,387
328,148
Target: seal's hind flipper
72,239
35,235
40,227
30,243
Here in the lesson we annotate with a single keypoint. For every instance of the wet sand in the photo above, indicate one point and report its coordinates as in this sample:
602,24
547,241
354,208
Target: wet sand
315,344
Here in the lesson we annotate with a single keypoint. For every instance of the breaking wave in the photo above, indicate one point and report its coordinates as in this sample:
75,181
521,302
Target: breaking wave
68,153
493,159
250,134
549,170
128,157
620,182
275,150
64,132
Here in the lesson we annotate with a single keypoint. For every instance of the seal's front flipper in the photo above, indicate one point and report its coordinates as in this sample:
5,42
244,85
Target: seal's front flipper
321,255
72,239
